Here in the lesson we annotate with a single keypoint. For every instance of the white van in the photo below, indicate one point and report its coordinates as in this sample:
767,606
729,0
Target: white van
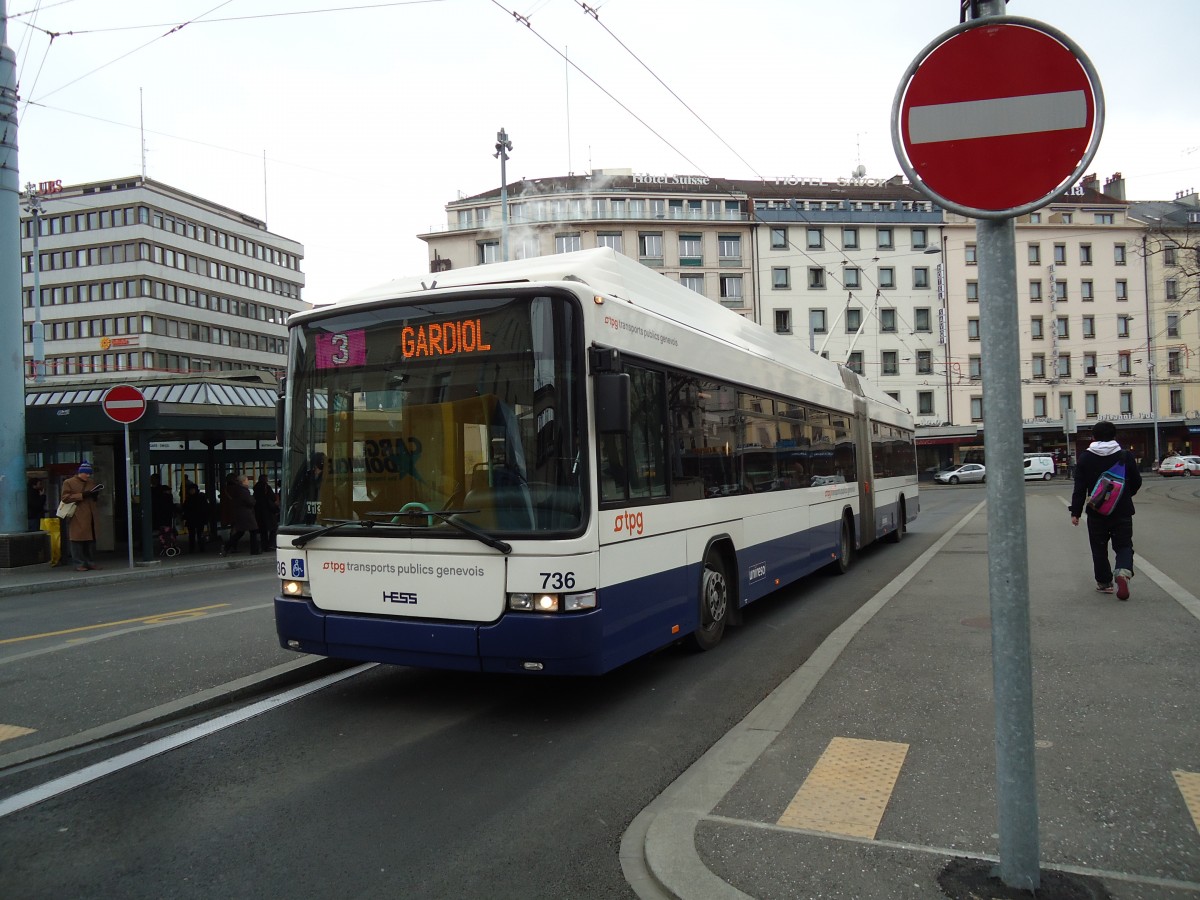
1039,468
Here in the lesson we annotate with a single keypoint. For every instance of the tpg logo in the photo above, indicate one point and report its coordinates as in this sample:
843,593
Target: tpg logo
399,597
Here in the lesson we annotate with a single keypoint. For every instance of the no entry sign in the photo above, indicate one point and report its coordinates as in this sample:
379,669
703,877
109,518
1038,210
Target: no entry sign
124,404
996,117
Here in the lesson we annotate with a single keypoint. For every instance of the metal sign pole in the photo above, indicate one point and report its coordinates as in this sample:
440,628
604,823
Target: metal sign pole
1008,554
128,495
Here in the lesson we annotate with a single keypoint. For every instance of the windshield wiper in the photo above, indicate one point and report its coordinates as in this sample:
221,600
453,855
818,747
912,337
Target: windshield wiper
448,516
337,523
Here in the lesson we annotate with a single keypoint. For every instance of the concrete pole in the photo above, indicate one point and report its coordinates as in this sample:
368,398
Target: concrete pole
1008,554
34,204
12,331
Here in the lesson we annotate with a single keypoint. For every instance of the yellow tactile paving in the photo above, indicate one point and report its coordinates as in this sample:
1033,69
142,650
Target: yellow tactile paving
1189,786
848,789
8,732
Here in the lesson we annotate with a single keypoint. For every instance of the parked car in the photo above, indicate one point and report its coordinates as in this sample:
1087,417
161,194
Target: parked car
1179,465
966,473
1039,468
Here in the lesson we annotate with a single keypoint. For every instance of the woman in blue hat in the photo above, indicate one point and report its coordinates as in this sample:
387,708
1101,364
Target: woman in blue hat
78,489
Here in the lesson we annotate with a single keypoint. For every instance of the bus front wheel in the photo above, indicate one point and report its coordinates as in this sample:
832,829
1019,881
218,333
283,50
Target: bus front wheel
841,565
714,603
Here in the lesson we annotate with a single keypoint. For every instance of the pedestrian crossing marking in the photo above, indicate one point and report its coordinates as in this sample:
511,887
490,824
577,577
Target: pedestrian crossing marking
1189,786
848,789
8,732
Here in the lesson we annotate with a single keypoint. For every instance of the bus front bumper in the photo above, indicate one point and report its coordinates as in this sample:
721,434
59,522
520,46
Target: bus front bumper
526,643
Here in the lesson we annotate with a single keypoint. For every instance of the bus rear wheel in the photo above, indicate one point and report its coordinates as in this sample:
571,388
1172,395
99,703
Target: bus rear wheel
901,516
714,603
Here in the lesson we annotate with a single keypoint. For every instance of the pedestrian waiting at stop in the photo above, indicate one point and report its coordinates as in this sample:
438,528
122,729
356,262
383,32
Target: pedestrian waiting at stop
237,509
78,489
195,515
266,510
1116,526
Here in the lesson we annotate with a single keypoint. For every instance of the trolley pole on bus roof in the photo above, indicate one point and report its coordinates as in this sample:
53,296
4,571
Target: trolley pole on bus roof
992,120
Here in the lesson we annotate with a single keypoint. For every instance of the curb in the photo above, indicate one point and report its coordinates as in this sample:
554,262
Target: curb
141,570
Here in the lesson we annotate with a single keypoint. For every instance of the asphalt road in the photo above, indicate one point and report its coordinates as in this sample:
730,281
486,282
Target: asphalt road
392,782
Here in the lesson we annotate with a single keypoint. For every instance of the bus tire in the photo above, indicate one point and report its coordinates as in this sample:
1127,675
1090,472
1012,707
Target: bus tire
714,602
898,534
841,565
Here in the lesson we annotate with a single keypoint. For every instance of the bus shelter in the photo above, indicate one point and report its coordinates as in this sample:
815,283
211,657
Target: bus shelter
197,428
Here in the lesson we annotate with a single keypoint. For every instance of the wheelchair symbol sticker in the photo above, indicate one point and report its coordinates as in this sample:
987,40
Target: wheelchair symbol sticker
297,568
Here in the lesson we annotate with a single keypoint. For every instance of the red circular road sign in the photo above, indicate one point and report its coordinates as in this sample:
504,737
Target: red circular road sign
124,403
997,116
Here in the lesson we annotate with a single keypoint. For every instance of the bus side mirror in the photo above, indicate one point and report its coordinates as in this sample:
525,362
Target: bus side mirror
612,402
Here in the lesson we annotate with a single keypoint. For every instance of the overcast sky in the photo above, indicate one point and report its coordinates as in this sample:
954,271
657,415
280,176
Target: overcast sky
349,129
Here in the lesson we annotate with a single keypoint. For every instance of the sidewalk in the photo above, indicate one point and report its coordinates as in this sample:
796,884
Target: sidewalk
872,768
114,569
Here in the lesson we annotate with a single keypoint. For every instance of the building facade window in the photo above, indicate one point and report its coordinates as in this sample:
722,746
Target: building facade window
779,238
1085,254
1127,403
853,319
1122,289
849,238
1124,363
920,278
1176,402
851,278
972,291
783,321
567,243
884,239
1038,366
692,281
1119,254
1035,254
922,320
781,278
1039,406
1062,326
971,254
729,248
1174,362
611,239
816,321
855,362
815,238
920,238
1060,254
1091,404
1035,329
1089,365
816,278
691,251
1089,326
889,362
1060,290
650,246
924,403
887,278
1064,365
1123,326
972,329
974,367
887,321
924,362
489,252
976,409
1035,290
1086,292
731,290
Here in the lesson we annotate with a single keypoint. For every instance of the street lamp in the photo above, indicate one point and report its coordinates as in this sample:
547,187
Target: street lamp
503,145
33,205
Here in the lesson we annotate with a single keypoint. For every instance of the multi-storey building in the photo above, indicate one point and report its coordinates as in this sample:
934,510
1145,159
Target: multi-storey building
873,275
134,275
1169,251
693,229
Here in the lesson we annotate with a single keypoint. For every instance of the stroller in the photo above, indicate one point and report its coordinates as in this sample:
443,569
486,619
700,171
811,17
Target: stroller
167,541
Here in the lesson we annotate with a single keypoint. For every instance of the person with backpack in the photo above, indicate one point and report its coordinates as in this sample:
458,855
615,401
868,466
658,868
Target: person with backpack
1106,478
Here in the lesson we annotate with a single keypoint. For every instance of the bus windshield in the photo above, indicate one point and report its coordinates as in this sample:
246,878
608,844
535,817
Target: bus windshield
467,407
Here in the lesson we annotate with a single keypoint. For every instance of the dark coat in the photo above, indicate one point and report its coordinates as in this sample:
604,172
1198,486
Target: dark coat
240,506
83,523
1087,473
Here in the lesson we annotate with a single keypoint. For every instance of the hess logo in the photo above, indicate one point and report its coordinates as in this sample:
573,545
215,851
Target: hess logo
628,522
399,597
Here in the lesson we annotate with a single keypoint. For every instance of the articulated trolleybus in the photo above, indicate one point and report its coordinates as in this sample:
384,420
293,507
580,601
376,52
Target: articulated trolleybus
558,465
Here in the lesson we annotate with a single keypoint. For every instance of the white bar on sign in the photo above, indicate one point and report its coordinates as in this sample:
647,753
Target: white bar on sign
994,118
124,404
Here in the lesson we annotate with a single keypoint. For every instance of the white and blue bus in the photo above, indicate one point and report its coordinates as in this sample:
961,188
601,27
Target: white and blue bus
558,465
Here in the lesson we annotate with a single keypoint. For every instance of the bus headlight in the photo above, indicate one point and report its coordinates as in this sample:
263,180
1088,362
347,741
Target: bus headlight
552,603
295,589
